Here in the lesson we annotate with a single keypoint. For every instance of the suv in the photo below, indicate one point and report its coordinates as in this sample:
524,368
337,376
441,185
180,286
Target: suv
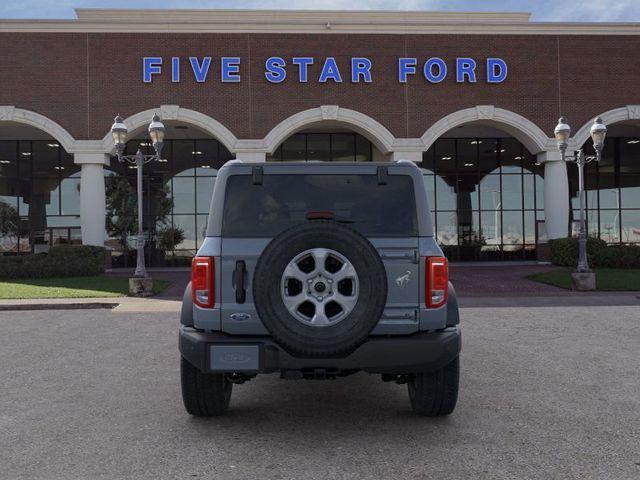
316,271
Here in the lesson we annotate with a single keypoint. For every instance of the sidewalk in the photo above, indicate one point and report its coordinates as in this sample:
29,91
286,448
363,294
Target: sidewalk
477,286
115,304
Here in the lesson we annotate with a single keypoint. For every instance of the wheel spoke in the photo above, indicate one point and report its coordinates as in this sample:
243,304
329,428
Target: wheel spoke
320,318
319,257
293,302
346,302
293,271
347,271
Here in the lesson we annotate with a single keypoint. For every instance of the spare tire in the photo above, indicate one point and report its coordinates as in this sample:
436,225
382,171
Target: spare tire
320,288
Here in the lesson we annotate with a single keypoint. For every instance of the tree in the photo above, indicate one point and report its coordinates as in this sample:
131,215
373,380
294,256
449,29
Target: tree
169,237
122,209
9,221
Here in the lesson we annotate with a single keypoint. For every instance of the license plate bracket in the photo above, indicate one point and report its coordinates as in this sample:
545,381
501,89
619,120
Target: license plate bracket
234,358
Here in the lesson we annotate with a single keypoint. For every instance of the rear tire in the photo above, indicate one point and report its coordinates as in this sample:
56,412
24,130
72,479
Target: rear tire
204,394
436,393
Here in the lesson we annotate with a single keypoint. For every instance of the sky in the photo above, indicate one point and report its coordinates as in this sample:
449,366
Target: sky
542,10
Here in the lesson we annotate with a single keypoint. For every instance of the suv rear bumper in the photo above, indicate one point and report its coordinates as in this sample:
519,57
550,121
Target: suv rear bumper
420,352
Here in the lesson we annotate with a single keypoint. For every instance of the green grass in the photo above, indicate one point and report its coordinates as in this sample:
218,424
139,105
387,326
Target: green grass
72,287
607,279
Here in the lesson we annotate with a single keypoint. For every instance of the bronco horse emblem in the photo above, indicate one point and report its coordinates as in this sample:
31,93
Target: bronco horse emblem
404,279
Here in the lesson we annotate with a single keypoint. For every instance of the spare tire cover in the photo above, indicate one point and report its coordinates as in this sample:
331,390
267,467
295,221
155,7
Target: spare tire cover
320,288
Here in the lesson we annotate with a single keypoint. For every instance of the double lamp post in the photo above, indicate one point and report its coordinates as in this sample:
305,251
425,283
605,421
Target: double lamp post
583,278
119,133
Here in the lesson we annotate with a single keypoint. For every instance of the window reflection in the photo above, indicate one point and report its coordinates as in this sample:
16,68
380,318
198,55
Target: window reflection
612,190
315,146
485,203
39,196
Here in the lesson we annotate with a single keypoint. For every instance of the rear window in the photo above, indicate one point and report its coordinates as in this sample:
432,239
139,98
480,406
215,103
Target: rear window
282,201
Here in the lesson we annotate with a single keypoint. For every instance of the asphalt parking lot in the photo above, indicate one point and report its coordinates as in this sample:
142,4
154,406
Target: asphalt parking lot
546,393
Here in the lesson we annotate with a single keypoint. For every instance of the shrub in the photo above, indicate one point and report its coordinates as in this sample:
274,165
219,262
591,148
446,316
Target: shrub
564,251
618,256
61,261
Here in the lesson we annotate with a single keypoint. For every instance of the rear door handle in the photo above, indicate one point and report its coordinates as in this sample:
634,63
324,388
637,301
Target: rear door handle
239,275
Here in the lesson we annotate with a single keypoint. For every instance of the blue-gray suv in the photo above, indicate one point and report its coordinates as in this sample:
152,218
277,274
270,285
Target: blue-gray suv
317,271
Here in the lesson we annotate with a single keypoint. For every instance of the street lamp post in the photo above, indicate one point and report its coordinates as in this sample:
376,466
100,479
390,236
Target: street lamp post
156,132
598,133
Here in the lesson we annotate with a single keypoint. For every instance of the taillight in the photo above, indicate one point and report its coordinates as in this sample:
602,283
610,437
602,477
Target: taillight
437,281
202,282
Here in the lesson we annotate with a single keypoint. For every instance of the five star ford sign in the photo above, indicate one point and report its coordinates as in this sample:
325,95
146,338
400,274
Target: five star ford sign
361,69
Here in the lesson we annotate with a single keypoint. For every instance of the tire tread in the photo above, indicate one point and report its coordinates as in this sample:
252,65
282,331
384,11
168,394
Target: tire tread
204,394
433,394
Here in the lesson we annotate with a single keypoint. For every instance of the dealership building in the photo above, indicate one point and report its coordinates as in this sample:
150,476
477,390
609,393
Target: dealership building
471,98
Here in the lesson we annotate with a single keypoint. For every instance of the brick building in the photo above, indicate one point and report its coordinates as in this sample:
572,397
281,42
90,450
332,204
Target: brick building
473,98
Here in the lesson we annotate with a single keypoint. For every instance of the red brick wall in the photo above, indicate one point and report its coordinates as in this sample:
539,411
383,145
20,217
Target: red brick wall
82,80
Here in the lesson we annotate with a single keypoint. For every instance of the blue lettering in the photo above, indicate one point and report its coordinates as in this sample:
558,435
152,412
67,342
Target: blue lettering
151,66
275,69
406,66
360,67
175,69
330,71
303,67
428,70
200,71
496,70
465,67
230,69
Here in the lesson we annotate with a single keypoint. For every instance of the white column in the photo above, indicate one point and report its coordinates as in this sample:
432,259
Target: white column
251,156
92,197
556,194
406,155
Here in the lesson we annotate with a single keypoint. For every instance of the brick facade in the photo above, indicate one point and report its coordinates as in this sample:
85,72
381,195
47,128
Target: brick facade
80,80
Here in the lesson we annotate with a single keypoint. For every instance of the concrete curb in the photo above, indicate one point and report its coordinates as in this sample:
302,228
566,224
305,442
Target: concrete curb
57,306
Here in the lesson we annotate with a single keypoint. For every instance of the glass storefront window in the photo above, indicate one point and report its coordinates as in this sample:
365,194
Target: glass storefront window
445,156
70,195
337,147
445,198
183,194
610,226
630,224
490,198
294,149
318,146
39,195
512,229
487,197
612,190
204,190
512,192
8,159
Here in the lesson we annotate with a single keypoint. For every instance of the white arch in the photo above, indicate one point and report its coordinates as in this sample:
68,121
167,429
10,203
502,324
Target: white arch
630,112
10,113
529,134
382,138
177,113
